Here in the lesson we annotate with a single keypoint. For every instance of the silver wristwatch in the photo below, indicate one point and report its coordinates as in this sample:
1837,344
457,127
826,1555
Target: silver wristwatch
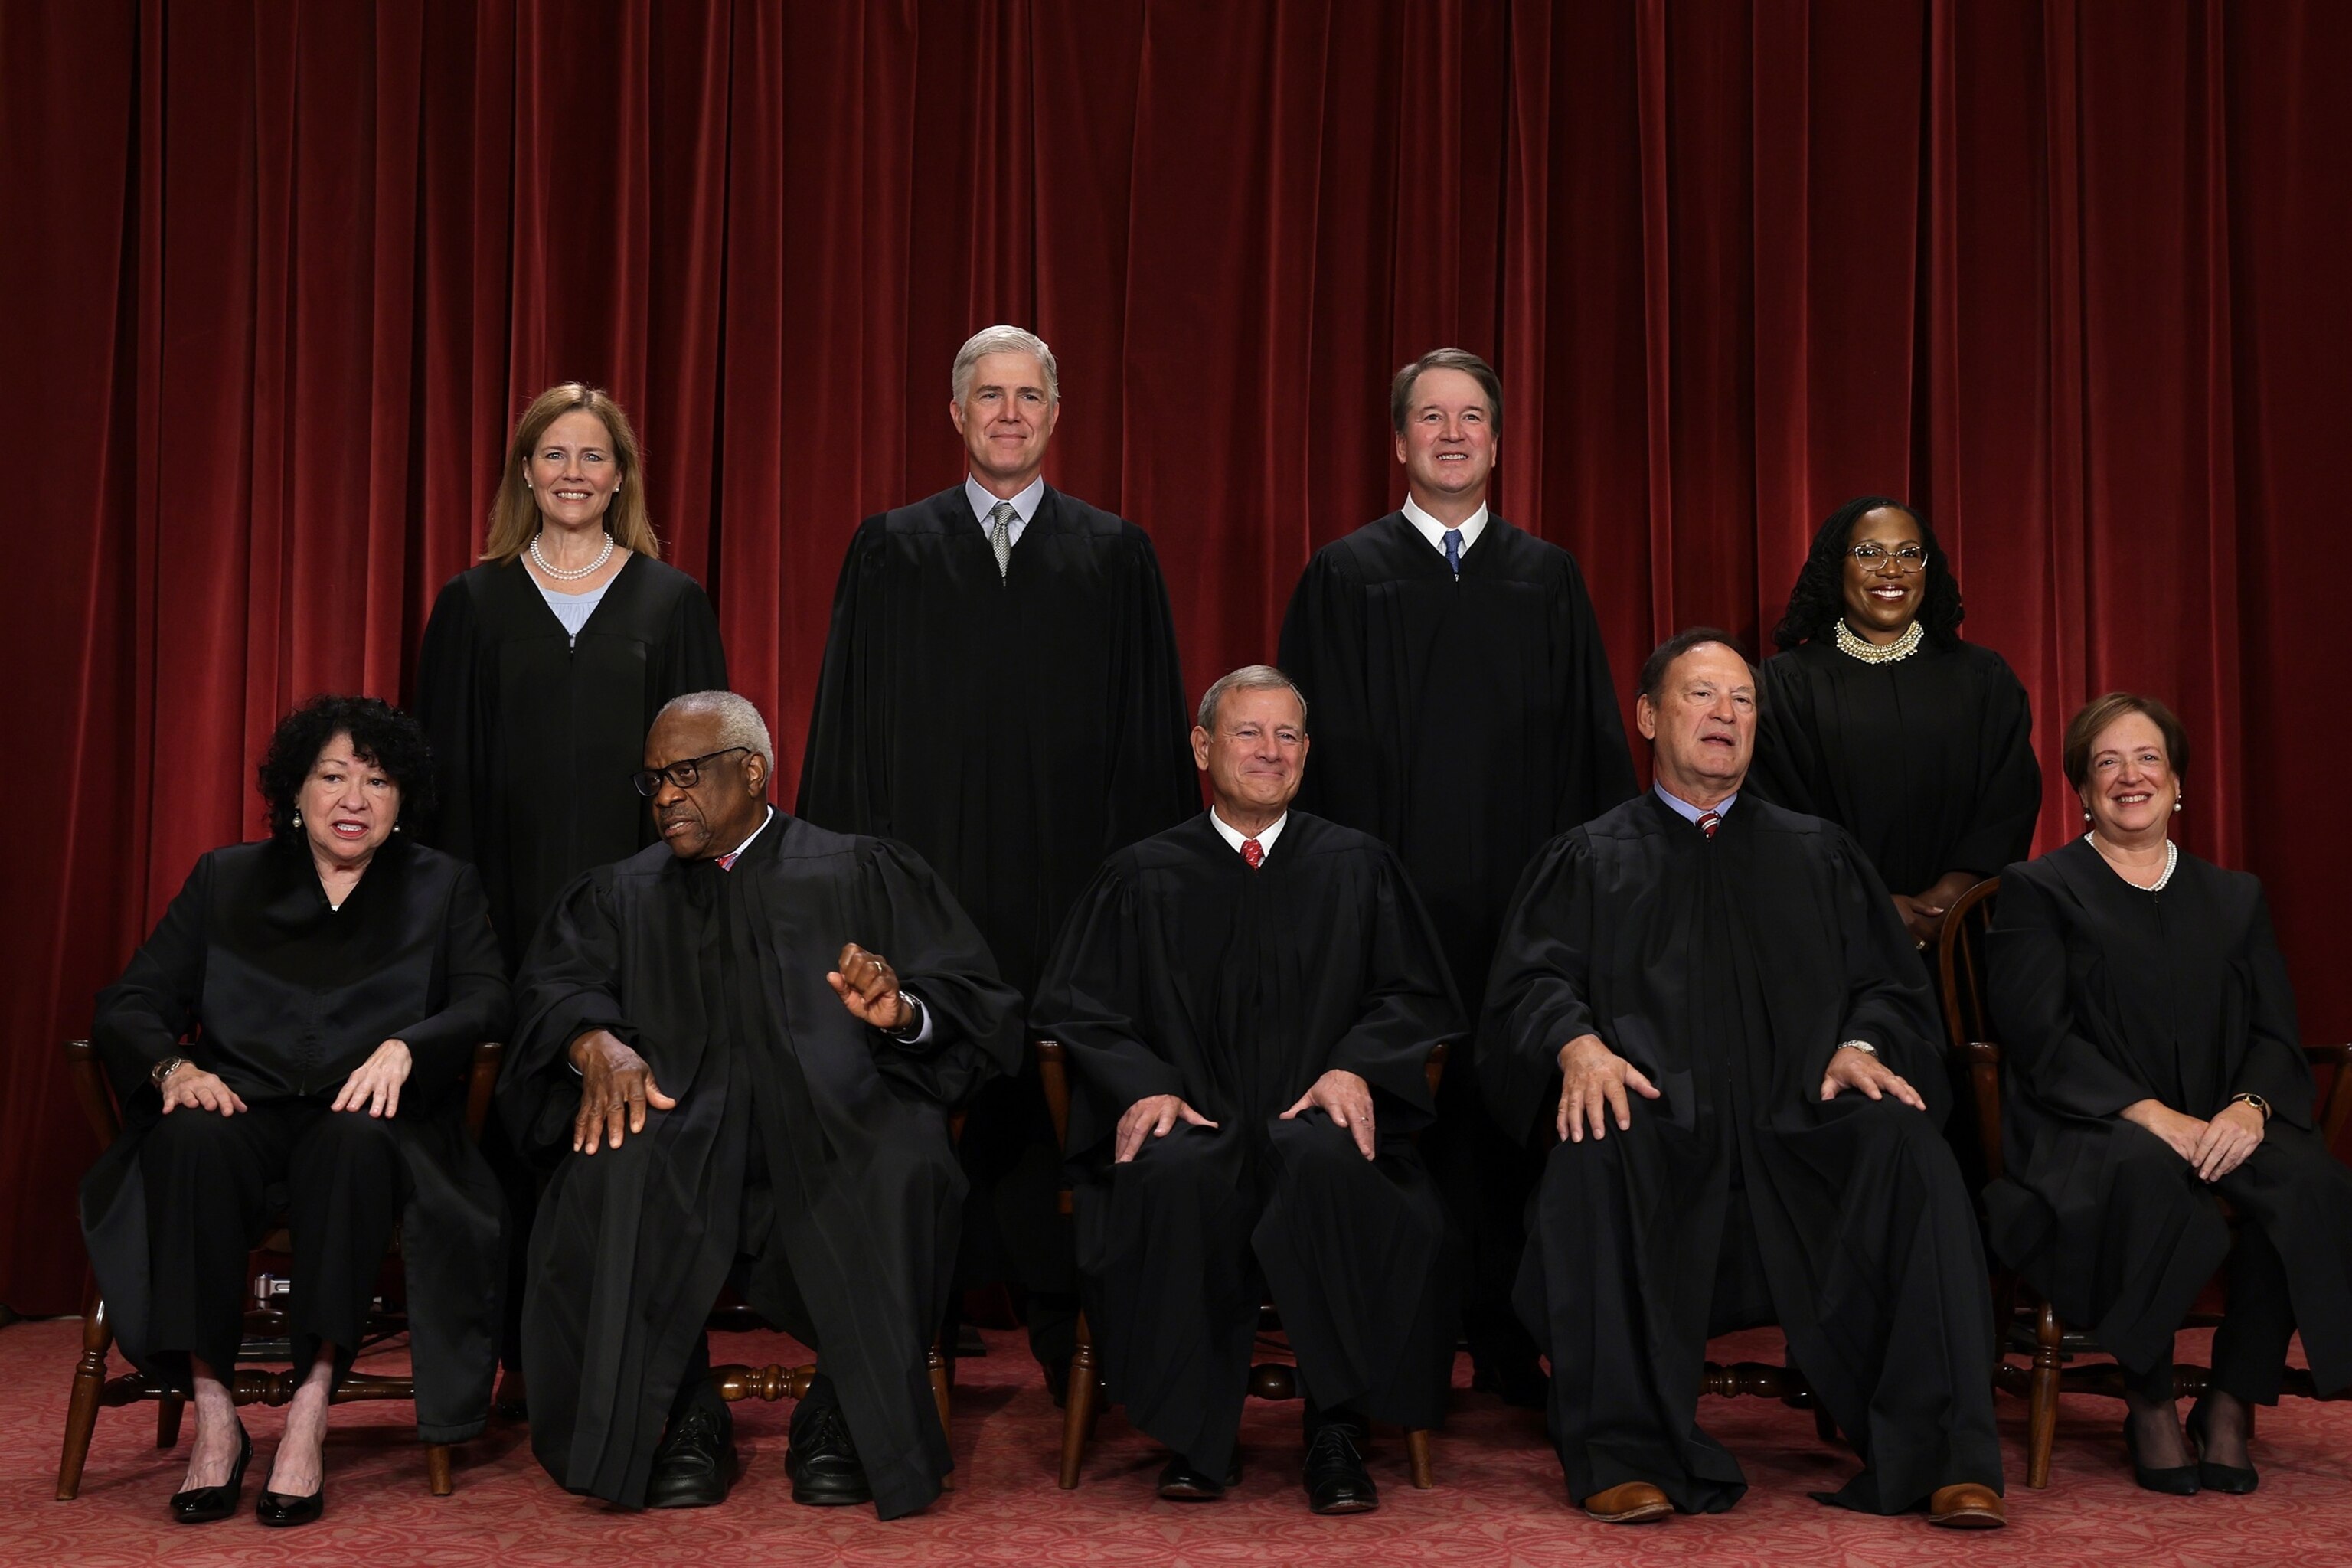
165,1068
1862,1046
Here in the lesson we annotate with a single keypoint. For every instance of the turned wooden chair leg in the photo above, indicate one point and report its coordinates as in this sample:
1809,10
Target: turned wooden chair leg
2042,1397
81,1411
436,1470
1416,1451
1077,1405
939,1369
167,1419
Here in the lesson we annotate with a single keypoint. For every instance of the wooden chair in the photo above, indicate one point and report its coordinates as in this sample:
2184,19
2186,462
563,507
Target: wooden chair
93,1390
1267,1380
2029,1325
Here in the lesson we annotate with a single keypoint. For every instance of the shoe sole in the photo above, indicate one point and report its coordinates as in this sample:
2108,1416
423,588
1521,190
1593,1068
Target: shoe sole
1648,1513
1191,1494
830,1500
1355,1505
1969,1519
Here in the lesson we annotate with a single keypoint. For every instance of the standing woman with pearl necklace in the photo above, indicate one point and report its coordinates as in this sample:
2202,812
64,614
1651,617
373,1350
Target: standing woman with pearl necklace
543,669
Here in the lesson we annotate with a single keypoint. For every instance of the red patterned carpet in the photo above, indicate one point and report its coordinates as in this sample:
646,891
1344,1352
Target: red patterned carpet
1499,1499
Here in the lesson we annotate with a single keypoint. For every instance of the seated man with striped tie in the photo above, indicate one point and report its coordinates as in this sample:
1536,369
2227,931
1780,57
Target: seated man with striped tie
733,1083
1248,1003
1710,1002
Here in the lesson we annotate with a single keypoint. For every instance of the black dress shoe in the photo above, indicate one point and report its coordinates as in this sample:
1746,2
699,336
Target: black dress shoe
2231,1479
1182,1481
696,1462
1337,1481
822,1462
2173,1480
202,1505
278,1511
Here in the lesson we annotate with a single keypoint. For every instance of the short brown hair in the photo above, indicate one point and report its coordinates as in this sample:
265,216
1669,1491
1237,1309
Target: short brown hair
1463,360
2084,727
514,515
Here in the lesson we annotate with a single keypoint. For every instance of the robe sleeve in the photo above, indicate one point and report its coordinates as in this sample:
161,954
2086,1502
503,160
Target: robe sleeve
910,917
844,783
1409,1006
2273,1066
1322,649
563,989
1152,785
1597,771
2008,795
446,707
1787,764
1538,995
692,657
1092,1001
142,1017
477,1004
1888,1000
2046,1051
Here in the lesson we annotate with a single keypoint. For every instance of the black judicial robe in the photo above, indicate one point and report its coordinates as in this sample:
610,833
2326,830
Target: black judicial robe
717,978
1928,761
283,996
534,738
1012,731
1463,722
1184,972
1729,970
2107,994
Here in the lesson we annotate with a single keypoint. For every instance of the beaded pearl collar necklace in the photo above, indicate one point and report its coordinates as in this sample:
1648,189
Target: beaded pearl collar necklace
1869,652
2171,860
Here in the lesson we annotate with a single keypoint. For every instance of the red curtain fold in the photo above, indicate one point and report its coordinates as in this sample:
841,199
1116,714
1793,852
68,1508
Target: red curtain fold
2063,272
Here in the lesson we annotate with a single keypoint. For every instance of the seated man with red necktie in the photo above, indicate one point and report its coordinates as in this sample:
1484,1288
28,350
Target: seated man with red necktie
730,1093
1248,1001
1715,1002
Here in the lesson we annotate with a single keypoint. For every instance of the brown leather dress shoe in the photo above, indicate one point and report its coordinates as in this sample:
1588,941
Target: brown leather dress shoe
1967,1506
1634,1502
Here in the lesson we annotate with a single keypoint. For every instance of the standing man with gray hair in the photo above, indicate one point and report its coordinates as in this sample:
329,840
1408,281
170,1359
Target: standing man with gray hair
1001,692
1463,702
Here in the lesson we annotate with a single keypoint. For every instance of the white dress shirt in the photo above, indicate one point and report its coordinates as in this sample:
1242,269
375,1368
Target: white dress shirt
1688,812
1265,838
1024,505
1434,531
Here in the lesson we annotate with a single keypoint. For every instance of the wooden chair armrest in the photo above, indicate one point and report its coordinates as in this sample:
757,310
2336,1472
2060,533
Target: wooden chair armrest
92,1092
1054,1077
1436,1066
1983,1059
481,1079
1982,1053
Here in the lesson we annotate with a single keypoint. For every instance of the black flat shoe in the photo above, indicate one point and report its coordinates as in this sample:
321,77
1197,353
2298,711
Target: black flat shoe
695,1465
202,1505
2234,1480
2173,1480
1181,1481
823,1463
280,1513
1337,1481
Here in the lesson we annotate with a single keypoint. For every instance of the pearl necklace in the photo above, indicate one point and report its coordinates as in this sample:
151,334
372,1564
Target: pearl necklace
575,573
2171,861
1869,652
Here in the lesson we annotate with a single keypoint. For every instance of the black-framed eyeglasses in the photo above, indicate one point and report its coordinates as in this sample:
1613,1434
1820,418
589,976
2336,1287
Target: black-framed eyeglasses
684,775
1908,558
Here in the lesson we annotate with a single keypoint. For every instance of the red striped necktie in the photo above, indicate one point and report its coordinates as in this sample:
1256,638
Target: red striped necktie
1709,821
1254,852
727,861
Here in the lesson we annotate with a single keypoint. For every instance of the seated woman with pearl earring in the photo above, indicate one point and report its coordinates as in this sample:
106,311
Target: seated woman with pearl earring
2153,1066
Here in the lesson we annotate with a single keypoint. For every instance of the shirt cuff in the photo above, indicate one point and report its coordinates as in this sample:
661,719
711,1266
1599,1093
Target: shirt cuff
922,1033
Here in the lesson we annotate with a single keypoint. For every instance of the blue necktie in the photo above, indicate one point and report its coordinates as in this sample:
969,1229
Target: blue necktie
1454,549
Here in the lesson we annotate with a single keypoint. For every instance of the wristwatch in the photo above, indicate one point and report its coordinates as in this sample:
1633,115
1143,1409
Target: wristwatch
912,1029
2256,1101
165,1068
1864,1047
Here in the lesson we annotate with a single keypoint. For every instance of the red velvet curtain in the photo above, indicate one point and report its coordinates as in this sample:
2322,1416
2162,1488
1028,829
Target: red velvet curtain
278,276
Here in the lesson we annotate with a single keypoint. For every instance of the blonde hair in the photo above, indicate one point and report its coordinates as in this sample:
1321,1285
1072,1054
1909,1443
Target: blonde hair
514,514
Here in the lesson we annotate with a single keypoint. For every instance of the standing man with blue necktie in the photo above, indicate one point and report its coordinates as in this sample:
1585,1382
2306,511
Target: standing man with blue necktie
1465,715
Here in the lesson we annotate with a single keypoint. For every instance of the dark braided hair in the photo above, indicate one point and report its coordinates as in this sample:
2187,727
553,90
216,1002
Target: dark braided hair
1818,600
381,734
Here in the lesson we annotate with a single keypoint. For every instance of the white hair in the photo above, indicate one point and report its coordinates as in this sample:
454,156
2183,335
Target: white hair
740,724
1248,677
1003,339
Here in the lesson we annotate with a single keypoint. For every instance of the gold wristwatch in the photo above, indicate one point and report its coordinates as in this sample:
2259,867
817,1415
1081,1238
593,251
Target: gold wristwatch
2256,1101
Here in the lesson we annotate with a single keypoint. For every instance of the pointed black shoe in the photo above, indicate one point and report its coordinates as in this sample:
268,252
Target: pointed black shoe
2173,1480
1337,1481
1182,1481
2231,1479
695,1465
202,1505
823,1463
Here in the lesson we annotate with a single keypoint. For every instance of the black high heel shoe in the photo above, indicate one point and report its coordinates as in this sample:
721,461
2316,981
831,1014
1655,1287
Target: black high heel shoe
2234,1480
202,1505
280,1511
2174,1480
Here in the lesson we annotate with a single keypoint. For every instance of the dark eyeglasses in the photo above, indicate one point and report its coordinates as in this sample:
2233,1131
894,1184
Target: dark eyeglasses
684,775
1872,554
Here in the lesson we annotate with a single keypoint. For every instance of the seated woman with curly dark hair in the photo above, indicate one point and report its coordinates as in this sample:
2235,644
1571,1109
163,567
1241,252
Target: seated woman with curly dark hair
1879,719
300,1021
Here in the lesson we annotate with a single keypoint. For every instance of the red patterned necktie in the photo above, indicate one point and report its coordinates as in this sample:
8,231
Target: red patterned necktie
727,861
1709,821
1254,852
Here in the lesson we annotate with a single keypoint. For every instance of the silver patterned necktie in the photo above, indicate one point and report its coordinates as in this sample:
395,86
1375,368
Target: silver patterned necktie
1000,537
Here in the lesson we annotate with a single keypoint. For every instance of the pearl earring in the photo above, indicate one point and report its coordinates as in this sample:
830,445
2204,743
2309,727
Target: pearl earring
298,817
2176,802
